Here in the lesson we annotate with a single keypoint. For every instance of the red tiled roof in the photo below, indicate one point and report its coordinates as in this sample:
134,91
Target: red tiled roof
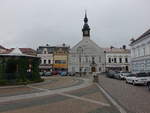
27,51
1,47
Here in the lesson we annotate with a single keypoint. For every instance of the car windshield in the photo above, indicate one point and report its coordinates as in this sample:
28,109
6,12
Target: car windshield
131,75
126,74
142,75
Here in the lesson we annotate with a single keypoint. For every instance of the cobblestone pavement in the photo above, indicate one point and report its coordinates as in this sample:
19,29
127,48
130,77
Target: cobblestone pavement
58,82
81,100
50,83
135,99
16,91
62,103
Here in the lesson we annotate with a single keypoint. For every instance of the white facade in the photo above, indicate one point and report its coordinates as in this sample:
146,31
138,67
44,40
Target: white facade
117,59
46,58
86,56
90,51
140,53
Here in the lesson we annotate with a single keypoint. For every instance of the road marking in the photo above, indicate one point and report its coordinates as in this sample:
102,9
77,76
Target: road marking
41,89
50,92
121,109
84,99
44,92
72,96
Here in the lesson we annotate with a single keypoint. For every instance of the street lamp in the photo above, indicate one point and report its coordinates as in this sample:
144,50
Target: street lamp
80,52
105,61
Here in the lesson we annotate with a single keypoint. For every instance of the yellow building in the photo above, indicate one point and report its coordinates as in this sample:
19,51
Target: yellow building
61,58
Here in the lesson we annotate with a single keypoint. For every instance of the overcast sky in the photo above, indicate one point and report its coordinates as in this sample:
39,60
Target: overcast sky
30,23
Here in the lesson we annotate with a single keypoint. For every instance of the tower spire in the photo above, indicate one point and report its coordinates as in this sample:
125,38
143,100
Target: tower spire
86,28
85,18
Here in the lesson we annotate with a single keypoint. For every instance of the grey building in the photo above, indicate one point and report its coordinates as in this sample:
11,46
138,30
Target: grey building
140,53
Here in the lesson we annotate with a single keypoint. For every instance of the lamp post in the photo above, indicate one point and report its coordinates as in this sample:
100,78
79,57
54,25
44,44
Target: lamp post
80,51
105,61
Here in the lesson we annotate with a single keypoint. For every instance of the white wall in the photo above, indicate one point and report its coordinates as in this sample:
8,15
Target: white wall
140,55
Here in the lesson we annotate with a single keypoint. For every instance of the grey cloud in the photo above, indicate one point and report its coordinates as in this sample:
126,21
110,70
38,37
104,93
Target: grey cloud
30,23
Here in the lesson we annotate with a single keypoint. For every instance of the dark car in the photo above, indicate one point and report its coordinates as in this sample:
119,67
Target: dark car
71,73
117,76
54,72
111,74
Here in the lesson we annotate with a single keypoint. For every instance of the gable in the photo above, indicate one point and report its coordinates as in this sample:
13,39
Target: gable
89,47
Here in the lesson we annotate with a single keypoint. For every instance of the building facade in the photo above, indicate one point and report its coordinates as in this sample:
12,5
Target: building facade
46,55
61,58
86,56
53,57
140,53
117,59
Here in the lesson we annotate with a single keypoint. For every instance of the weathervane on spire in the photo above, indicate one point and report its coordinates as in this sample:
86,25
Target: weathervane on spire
86,28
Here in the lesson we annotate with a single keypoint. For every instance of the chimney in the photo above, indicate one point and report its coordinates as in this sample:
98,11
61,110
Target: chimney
124,47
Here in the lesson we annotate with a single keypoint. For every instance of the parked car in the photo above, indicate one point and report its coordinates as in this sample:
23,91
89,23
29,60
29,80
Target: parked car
63,73
111,74
48,73
54,72
117,76
122,75
41,73
139,78
130,75
71,73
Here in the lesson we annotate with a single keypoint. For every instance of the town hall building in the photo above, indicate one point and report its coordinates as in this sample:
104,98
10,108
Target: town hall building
86,56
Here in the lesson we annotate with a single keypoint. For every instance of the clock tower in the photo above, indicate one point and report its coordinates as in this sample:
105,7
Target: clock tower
86,28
